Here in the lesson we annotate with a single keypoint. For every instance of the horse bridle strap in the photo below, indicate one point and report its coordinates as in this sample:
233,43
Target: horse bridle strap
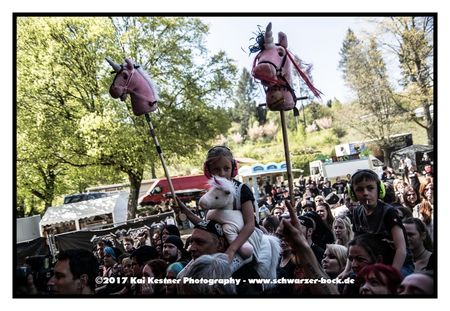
279,71
128,90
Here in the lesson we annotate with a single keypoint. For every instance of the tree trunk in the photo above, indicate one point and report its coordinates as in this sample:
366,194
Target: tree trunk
47,195
135,184
153,170
430,136
386,155
429,124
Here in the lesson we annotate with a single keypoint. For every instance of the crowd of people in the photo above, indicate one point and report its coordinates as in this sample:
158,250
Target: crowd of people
374,234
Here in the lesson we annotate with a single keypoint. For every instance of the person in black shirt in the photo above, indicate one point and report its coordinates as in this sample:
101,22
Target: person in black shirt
375,216
339,186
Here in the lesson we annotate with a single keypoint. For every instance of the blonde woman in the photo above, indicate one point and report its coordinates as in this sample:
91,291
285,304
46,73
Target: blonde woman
342,229
334,260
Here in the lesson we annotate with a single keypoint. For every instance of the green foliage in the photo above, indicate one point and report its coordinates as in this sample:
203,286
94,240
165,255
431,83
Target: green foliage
365,73
339,131
71,133
415,52
244,112
316,111
302,162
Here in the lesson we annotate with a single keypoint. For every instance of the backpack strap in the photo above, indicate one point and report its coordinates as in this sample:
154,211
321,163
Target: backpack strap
237,203
237,197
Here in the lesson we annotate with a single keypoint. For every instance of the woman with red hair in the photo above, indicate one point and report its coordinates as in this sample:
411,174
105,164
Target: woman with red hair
378,279
424,210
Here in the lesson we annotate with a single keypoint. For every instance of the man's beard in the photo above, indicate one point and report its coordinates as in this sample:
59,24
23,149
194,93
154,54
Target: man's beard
170,259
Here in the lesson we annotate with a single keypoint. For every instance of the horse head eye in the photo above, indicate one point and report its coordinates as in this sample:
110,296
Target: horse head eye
217,198
280,52
227,192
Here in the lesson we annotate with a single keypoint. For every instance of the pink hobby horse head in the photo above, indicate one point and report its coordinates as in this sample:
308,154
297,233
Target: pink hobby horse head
131,79
273,67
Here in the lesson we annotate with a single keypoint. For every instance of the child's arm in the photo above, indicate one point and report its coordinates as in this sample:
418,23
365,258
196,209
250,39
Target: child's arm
400,247
247,230
294,235
185,210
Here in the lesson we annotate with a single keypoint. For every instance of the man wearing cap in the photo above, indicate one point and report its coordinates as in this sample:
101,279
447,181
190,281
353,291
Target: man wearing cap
173,250
310,226
208,238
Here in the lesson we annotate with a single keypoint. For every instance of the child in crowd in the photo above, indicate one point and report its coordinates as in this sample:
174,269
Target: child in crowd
375,216
220,162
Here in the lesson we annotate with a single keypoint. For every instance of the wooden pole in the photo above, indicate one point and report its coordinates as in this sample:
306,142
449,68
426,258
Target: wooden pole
287,157
161,156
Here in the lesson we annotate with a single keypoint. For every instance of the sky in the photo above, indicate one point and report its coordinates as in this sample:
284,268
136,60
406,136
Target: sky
316,40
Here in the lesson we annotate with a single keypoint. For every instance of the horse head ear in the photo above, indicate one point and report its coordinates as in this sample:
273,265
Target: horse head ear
129,63
282,39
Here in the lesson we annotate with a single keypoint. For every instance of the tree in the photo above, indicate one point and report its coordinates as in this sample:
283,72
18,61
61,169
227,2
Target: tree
189,110
63,81
53,91
365,72
414,37
245,106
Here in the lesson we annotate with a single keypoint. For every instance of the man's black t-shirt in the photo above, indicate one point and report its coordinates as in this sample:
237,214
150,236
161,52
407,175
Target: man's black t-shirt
339,187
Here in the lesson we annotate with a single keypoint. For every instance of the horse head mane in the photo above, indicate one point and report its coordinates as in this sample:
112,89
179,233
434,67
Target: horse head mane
149,81
222,184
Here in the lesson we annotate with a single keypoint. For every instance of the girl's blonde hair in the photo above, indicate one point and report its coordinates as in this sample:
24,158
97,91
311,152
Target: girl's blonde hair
340,252
348,228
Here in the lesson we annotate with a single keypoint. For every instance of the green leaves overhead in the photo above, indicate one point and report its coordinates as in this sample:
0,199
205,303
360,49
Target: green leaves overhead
66,120
365,73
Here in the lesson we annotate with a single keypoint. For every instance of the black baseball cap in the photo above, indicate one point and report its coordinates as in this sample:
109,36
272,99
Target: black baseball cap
306,221
210,226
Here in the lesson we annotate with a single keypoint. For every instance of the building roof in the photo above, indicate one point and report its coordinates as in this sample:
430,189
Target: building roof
413,149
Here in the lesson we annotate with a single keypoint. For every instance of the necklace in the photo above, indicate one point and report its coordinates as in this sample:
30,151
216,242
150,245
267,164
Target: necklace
421,254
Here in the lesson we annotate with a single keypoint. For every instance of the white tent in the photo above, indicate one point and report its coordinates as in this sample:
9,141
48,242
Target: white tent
115,204
27,228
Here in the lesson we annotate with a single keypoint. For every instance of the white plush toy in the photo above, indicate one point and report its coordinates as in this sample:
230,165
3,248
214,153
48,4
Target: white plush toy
219,201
